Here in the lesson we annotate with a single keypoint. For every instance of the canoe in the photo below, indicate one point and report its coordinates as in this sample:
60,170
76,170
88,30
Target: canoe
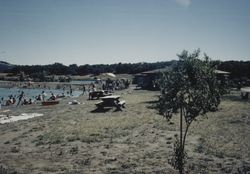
47,103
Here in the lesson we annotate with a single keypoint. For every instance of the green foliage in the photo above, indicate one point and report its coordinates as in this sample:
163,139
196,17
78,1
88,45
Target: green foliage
238,69
190,87
179,159
73,69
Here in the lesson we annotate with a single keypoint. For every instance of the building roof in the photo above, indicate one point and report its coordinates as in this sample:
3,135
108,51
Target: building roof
5,74
157,71
221,72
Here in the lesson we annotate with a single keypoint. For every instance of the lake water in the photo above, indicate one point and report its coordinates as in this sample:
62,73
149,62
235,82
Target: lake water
32,93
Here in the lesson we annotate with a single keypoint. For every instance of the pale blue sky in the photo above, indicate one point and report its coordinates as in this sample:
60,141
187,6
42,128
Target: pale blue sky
112,31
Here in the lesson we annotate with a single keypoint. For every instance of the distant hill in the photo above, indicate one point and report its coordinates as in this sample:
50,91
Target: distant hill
5,66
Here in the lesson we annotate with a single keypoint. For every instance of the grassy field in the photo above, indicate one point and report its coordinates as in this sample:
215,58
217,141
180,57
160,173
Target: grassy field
71,139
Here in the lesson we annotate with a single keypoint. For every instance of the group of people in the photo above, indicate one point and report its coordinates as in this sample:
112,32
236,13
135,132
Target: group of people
42,97
12,100
117,84
21,99
108,85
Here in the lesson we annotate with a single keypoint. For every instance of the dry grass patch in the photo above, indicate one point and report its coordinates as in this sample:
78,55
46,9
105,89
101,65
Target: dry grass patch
95,129
73,139
226,132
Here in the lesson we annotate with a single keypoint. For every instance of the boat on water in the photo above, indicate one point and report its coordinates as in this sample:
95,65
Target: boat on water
50,102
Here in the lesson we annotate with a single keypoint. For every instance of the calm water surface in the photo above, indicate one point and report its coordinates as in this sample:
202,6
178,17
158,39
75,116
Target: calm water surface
32,93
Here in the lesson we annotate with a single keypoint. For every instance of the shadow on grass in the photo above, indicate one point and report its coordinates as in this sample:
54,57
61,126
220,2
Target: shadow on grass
152,104
6,170
99,110
236,98
138,89
103,110
93,99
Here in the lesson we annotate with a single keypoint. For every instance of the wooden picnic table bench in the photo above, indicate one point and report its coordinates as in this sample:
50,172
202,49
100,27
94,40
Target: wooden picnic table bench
111,101
98,94
122,103
245,92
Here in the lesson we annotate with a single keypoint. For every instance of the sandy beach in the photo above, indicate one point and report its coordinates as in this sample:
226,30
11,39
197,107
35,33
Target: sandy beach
80,139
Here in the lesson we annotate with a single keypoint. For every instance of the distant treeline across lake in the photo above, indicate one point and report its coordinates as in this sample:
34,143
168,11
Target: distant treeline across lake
238,69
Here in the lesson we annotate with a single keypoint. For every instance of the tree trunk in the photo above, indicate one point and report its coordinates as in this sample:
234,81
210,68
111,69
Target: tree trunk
181,147
185,135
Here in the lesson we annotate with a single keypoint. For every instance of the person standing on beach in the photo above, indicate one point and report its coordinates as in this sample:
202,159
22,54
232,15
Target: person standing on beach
43,95
20,97
70,91
83,89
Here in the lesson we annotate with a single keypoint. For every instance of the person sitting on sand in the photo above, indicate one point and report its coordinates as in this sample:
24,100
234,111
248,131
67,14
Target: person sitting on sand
60,96
30,101
53,97
39,97
13,100
25,102
8,102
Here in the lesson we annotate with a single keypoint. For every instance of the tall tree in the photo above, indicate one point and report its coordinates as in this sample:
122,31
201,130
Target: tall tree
190,89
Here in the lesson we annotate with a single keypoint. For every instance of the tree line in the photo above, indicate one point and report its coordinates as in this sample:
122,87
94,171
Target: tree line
73,69
238,69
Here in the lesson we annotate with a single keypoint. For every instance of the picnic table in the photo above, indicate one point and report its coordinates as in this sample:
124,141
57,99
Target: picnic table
111,101
98,94
245,92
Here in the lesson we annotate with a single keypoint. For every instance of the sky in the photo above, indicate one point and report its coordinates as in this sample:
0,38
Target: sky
111,31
